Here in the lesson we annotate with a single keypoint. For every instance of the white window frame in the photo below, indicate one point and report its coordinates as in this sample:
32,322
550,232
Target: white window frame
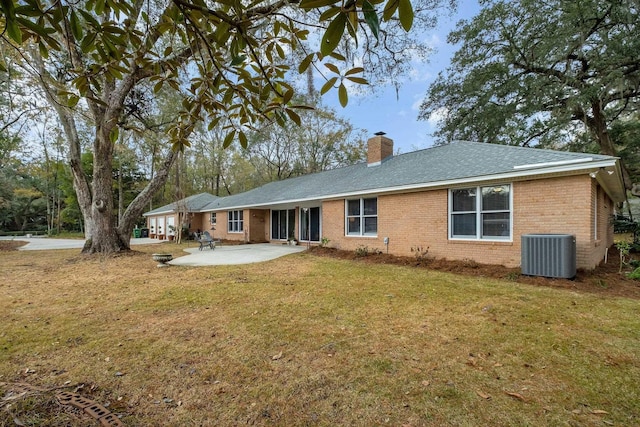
478,213
595,215
361,216
213,219
235,217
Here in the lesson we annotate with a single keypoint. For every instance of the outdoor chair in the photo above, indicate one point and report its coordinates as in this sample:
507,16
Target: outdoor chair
205,240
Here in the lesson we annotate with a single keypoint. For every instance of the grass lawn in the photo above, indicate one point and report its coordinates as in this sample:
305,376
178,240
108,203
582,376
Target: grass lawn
307,340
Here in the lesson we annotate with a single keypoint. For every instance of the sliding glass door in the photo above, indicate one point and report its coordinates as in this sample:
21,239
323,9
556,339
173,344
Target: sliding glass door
310,224
283,224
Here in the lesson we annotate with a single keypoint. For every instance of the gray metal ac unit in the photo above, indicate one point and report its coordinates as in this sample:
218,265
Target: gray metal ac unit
549,255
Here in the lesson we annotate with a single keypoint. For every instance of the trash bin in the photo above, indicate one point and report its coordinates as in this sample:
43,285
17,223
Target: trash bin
136,233
144,232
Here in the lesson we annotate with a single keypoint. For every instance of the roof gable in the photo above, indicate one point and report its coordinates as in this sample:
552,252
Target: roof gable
193,203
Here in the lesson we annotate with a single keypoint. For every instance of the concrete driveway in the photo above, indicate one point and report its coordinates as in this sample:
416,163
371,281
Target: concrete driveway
235,254
47,243
221,255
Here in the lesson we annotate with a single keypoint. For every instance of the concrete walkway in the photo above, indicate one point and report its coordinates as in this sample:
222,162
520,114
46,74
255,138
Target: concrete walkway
235,254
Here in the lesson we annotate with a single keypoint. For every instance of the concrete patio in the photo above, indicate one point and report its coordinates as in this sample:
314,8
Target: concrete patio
235,254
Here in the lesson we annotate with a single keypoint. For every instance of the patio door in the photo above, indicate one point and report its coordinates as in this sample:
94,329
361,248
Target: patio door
283,224
310,224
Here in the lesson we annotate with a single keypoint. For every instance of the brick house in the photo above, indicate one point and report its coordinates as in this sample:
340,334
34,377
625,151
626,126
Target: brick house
462,200
163,222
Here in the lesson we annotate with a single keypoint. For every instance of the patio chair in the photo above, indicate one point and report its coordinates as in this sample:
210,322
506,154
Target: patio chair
205,240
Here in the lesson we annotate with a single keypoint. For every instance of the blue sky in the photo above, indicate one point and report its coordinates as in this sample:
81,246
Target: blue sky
397,115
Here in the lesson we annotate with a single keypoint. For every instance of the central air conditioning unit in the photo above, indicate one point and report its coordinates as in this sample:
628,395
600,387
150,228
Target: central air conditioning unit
549,255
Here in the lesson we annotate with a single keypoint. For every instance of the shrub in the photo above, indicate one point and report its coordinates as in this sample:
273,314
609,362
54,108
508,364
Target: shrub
362,251
635,274
420,253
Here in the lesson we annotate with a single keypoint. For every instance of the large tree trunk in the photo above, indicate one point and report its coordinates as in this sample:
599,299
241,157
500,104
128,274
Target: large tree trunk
599,129
104,237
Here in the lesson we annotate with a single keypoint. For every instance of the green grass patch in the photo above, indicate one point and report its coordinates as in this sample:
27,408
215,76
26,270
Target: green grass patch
304,340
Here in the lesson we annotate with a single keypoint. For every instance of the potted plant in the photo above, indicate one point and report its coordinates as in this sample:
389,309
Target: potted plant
291,241
172,232
152,232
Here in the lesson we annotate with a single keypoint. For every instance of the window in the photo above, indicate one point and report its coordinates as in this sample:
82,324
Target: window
362,217
213,220
235,221
480,213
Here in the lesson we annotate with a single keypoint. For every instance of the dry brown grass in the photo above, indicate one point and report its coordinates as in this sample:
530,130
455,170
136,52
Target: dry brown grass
305,340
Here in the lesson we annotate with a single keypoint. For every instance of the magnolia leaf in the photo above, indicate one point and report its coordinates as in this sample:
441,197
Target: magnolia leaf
314,4
358,80
328,85
287,96
405,14
371,18
483,395
332,67
389,9
333,35
304,64
515,395
238,60
343,97
294,116
44,52
355,70
3,66
72,101
353,24
303,107
229,139
14,31
329,13
158,86
243,139
76,27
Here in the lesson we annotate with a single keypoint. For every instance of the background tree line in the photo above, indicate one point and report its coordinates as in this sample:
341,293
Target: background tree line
36,190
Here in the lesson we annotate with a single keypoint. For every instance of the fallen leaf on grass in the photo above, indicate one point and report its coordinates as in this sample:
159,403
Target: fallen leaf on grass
599,412
277,356
515,395
483,395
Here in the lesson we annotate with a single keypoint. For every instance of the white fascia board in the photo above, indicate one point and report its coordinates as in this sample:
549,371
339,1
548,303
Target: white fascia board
158,213
557,163
505,176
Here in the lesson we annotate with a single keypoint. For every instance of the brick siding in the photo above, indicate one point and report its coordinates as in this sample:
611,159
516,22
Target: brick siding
563,205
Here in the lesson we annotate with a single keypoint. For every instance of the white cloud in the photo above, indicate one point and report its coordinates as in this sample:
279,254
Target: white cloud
437,116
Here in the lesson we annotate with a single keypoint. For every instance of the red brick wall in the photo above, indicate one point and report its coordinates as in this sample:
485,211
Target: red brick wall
554,205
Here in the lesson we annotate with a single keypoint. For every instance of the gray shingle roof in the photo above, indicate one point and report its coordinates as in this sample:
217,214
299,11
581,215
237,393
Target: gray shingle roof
193,203
456,161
